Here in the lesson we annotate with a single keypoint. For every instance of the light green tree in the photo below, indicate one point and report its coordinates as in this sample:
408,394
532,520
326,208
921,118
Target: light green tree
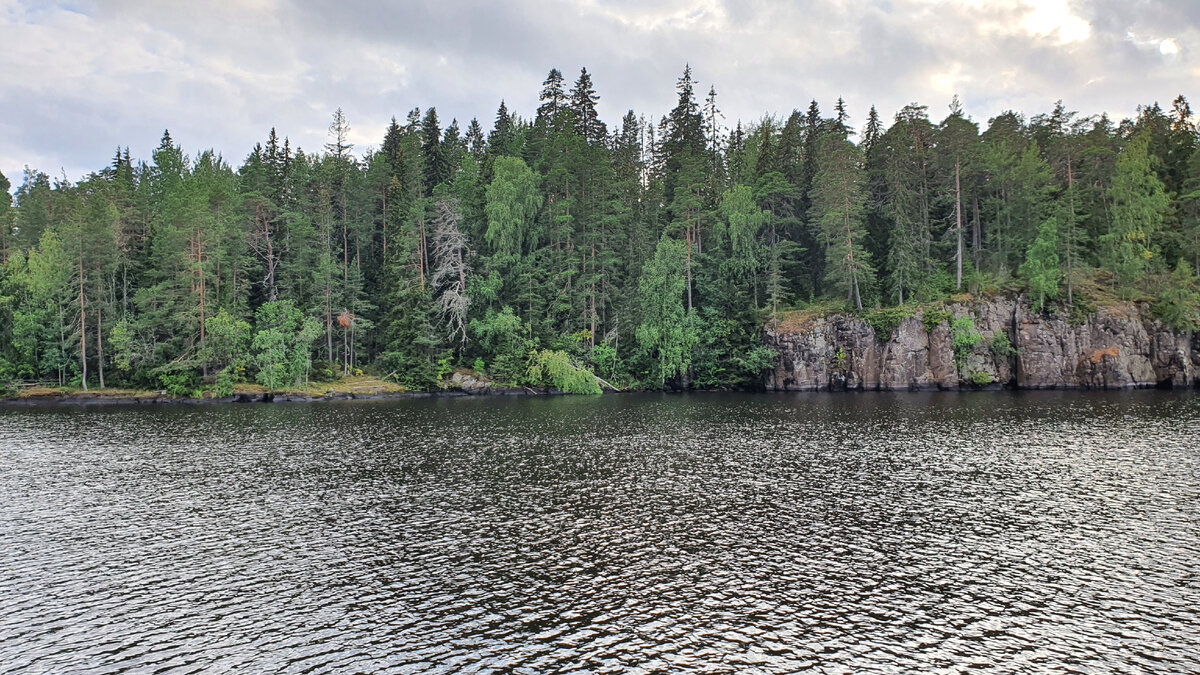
282,344
1041,269
666,335
1139,204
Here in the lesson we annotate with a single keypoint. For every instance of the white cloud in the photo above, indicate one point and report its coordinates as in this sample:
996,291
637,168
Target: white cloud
79,81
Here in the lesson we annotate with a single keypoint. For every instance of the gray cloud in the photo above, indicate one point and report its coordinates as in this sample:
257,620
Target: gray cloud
80,78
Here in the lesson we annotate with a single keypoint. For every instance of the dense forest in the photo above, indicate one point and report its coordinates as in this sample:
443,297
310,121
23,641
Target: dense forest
651,253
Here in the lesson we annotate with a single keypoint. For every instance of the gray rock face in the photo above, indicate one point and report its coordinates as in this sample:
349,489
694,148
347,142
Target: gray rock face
1116,348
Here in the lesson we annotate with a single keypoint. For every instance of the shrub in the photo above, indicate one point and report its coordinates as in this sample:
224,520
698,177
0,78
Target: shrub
933,317
554,368
885,321
965,337
325,371
179,383
224,386
980,379
1178,305
1001,346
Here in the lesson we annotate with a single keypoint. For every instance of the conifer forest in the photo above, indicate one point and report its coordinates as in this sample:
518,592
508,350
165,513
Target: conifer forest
558,249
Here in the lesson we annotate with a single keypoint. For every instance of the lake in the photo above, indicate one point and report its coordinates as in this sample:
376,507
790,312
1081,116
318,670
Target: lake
718,533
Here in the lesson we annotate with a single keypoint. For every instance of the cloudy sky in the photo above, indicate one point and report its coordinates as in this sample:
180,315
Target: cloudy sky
78,78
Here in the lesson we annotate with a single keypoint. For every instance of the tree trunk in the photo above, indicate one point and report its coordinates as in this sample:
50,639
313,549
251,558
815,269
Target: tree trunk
82,328
976,234
100,345
687,235
958,218
328,323
1070,228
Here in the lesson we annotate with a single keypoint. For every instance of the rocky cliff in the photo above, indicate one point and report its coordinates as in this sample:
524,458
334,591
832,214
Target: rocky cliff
1115,348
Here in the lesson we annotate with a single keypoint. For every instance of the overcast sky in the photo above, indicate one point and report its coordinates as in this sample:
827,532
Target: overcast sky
79,78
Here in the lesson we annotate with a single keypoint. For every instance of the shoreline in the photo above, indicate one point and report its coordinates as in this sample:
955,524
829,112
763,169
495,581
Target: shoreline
90,399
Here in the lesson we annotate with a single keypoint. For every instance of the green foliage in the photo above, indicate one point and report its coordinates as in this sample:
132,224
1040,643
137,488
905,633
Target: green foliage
666,334
1041,269
224,384
886,320
1001,346
324,371
606,361
964,338
227,343
1139,205
282,342
656,254
980,378
554,368
838,197
839,359
932,318
727,355
503,336
1178,305
512,203
179,383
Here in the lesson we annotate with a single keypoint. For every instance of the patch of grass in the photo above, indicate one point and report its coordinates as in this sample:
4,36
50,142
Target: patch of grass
801,320
353,384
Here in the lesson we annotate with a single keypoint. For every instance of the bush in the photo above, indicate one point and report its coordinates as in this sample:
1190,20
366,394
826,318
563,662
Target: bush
1001,346
224,387
932,318
885,321
839,359
325,371
554,368
965,338
1178,305
179,383
980,379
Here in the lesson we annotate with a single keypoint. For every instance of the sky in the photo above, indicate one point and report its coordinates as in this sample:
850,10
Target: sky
80,78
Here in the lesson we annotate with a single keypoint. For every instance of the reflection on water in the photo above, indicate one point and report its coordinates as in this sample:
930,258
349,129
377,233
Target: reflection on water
716,533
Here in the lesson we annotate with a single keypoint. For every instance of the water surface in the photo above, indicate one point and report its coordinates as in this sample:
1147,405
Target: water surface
715,533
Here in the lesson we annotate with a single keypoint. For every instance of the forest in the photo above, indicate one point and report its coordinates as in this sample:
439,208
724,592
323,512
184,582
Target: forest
557,250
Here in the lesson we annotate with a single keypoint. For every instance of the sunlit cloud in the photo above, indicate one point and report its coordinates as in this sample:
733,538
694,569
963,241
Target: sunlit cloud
80,78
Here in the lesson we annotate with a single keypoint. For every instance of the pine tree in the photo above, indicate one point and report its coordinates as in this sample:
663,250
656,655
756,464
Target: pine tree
6,218
1041,269
553,100
339,130
838,200
1139,204
583,108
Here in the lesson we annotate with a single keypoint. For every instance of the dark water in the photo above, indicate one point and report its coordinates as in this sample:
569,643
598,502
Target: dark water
708,533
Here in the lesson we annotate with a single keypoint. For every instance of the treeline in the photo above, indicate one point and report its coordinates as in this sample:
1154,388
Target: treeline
652,253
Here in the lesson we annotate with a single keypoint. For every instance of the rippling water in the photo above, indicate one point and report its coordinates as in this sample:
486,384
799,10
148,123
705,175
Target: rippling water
711,533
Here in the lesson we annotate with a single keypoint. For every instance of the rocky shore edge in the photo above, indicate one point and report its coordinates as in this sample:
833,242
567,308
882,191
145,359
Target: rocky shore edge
1123,346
